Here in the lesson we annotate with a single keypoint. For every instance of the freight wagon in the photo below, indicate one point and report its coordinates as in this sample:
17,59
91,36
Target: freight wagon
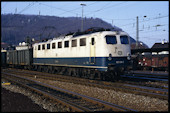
20,58
153,62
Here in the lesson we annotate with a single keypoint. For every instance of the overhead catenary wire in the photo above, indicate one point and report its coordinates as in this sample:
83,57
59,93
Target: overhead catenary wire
149,37
104,8
66,11
57,8
146,20
149,31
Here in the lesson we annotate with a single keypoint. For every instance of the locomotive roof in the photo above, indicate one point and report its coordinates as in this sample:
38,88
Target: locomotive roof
90,31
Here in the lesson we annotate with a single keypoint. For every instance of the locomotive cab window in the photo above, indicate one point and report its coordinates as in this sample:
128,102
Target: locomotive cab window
39,47
124,40
83,42
111,39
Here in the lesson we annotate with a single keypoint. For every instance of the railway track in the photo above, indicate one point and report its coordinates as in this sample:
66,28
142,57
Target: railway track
75,101
146,77
129,88
150,76
159,73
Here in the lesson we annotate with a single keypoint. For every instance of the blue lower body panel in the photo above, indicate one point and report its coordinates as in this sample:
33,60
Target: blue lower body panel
100,63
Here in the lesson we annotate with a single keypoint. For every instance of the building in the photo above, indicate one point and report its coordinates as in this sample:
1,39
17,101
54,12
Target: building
162,46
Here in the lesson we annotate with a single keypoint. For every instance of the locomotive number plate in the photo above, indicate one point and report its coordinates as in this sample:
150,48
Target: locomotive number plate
119,62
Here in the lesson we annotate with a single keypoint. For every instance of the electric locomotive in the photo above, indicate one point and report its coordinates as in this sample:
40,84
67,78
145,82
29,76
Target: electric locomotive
95,53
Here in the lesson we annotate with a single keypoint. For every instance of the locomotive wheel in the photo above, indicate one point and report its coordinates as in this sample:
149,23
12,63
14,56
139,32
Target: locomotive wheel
78,72
39,69
45,69
73,72
52,70
92,76
107,76
103,77
59,70
56,70
87,73
114,76
69,71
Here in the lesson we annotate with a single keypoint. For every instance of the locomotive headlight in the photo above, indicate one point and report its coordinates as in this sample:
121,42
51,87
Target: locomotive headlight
110,57
119,52
128,57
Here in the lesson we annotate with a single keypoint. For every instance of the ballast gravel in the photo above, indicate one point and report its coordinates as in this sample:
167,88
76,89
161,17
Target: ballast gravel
137,102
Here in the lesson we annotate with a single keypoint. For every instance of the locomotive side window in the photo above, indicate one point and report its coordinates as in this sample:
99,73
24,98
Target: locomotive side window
59,44
48,46
124,39
66,44
39,46
43,46
53,45
74,43
111,39
83,42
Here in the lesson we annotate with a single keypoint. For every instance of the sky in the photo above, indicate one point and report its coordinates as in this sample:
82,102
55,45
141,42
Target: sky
153,16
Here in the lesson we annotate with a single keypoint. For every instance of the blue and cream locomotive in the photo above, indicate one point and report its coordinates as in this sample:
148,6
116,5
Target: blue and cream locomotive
90,54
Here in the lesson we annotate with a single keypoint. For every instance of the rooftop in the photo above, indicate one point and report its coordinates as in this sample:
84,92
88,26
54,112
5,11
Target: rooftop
161,45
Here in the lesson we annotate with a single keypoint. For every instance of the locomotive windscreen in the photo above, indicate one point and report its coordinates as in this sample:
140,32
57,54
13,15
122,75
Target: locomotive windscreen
124,40
111,39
